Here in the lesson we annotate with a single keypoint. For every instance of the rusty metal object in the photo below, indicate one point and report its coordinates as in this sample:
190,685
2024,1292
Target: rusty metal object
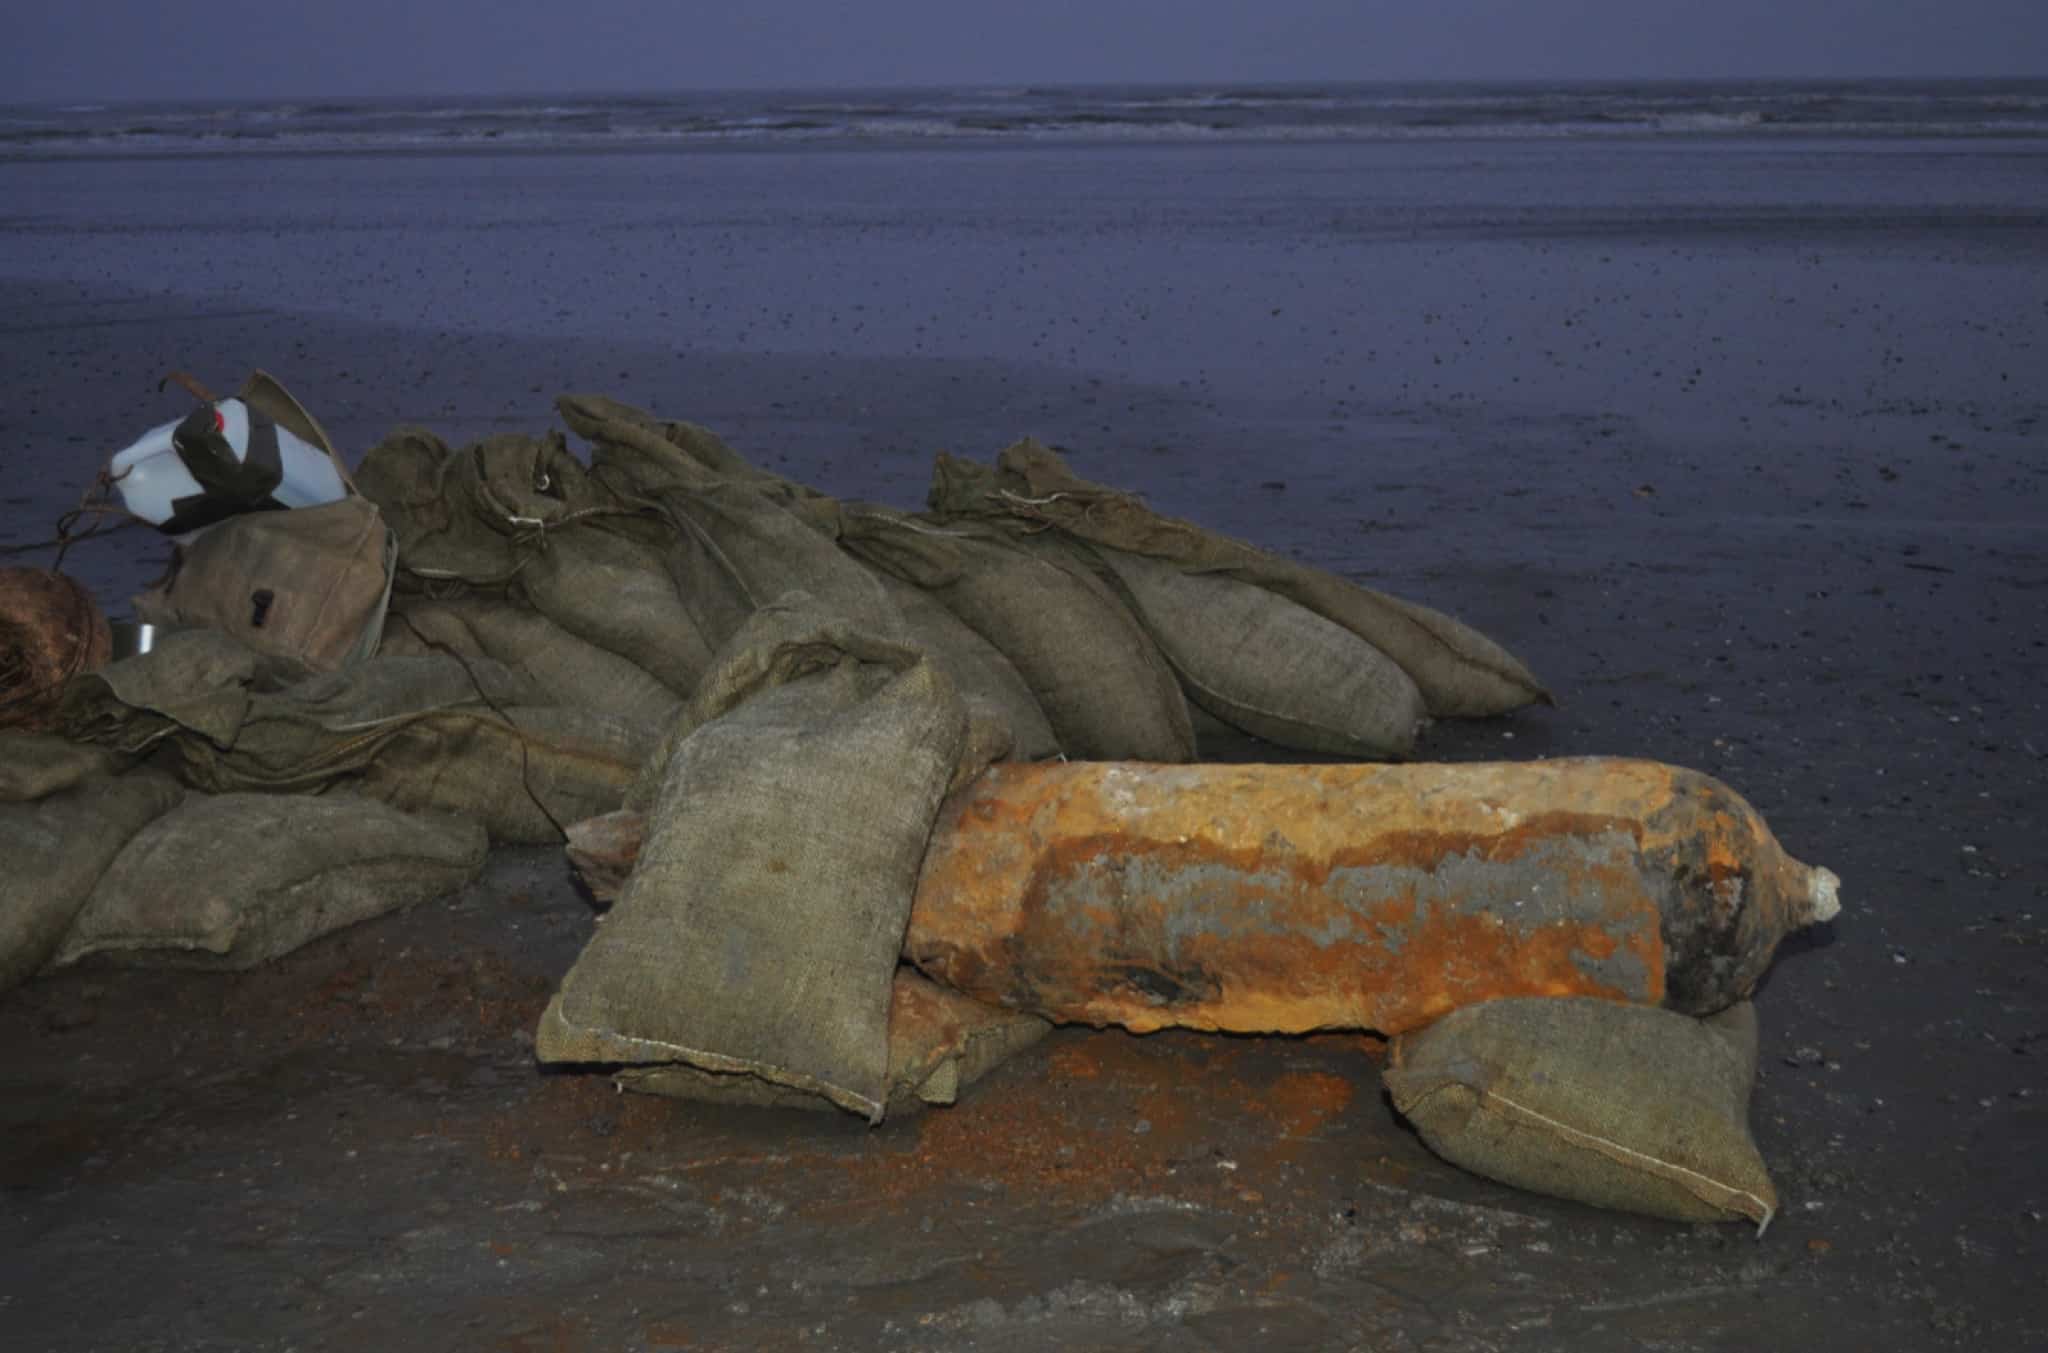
1293,898
604,849
51,630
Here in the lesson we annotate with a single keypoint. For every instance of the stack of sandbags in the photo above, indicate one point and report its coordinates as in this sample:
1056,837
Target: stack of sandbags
134,868
521,519
1105,690
741,537
1083,620
1264,666
1456,671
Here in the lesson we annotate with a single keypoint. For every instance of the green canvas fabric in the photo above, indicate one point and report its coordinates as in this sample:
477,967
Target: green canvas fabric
766,551
995,691
194,681
734,548
523,516
313,585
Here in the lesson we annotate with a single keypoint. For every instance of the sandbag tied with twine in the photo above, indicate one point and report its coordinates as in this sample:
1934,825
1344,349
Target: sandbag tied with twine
1459,671
427,734
54,852
759,930
1621,1106
51,630
478,513
523,517
1104,688
234,880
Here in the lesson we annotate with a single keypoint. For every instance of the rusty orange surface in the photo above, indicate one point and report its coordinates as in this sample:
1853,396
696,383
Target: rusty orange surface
1261,898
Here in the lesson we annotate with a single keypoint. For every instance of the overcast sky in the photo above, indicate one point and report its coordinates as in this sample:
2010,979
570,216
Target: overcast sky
68,50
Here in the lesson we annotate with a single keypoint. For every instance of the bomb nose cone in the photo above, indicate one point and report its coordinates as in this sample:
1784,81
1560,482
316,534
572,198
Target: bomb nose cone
1824,900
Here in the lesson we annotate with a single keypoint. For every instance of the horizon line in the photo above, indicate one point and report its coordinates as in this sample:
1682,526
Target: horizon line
79,102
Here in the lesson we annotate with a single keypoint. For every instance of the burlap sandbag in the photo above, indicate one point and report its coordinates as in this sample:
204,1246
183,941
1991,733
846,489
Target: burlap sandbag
36,765
1458,670
760,928
765,550
52,853
653,453
234,880
1621,1106
940,1042
523,513
418,484
610,582
1100,680
524,771
1271,668
568,670
475,514
436,733
747,539
985,679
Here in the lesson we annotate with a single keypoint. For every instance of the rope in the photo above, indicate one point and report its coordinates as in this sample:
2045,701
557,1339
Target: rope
525,762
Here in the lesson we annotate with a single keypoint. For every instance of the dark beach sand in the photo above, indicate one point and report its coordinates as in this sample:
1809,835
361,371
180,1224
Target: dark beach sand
1741,448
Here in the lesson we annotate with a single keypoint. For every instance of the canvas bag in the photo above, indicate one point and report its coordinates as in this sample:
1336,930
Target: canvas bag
311,584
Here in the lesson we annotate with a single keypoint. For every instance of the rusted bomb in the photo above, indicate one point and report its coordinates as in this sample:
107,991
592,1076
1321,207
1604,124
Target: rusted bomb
1290,898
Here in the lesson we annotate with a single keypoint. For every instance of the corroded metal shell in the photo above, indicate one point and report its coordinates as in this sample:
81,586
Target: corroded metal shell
1293,898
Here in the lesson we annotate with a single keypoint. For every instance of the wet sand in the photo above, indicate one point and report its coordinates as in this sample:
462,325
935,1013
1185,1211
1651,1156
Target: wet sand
1812,560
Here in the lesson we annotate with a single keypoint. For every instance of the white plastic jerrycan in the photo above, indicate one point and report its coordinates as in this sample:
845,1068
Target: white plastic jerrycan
249,461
